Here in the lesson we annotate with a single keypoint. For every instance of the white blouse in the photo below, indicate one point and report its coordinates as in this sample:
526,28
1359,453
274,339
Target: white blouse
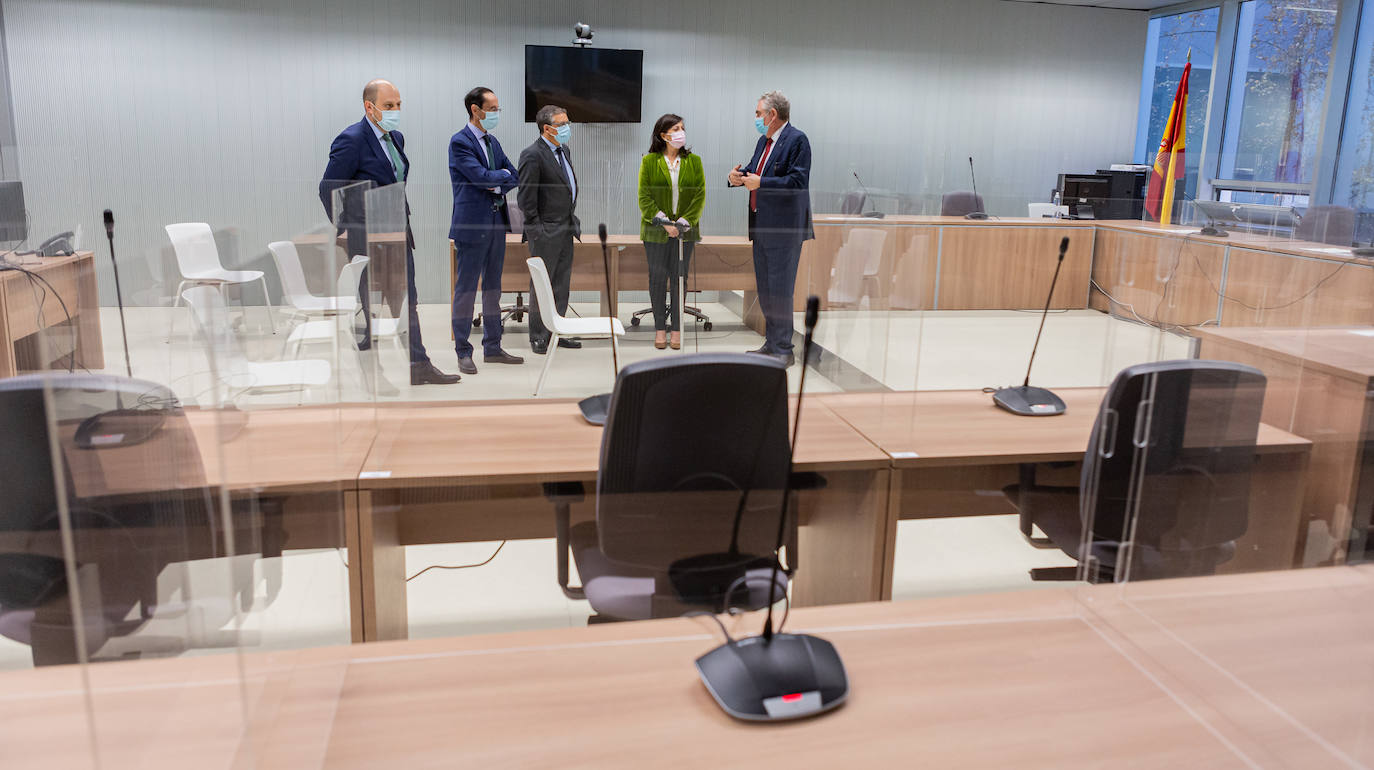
674,166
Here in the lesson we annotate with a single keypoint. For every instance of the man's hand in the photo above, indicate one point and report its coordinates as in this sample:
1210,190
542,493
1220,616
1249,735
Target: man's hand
736,176
670,230
752,181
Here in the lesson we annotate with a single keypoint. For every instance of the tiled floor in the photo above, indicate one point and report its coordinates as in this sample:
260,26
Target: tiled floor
518,589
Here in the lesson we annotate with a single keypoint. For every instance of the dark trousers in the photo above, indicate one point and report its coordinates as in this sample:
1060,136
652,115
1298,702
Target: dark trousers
663,282
357,244
479,261
775,272
558,260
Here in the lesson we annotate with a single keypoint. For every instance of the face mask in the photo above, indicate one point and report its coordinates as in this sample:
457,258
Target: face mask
490,121
677,138
760,125
391,120
564,133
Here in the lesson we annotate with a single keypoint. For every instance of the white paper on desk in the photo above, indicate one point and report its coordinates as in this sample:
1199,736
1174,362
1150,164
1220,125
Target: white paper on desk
1363,332
1337,251
374,475
1177,230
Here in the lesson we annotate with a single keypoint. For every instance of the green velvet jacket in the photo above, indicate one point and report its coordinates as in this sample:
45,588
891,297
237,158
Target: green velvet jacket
656,194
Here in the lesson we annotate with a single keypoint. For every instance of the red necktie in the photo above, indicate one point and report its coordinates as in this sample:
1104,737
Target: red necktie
763,159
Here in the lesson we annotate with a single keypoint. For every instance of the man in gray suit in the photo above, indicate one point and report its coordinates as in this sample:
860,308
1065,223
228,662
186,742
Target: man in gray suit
548,198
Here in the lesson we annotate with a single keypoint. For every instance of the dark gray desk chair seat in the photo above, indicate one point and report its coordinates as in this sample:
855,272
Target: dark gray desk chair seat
1167,470
853,202
694,458
957,204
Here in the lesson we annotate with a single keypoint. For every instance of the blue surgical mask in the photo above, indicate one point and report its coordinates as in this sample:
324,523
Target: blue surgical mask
761,125
490,121
564,133
391,120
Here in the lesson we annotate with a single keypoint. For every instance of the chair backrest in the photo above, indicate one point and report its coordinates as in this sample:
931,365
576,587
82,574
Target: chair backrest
694,458
543,291
1042,210
853,202
517,218
137,497
957,204
909,276
289,268
1168,465
869,242
1327,224
194,244
860,256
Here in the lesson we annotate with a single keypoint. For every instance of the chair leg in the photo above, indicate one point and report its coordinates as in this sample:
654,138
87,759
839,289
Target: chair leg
176,303
271,319
548,361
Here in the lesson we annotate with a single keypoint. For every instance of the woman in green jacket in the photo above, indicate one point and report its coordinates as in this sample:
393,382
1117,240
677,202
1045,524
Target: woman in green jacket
672,186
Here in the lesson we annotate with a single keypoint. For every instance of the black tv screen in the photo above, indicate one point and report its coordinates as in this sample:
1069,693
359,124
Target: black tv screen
595,85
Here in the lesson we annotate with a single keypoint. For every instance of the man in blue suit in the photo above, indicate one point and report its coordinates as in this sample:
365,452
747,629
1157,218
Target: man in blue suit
372,150
481,175
778,178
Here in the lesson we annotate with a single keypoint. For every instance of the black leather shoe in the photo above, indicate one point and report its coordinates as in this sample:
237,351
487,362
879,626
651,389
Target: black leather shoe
567,342
466,366
426,374
763,351
502,357
786,358
539,347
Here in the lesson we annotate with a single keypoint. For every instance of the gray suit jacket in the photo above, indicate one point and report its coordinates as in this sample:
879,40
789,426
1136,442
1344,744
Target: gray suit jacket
546,199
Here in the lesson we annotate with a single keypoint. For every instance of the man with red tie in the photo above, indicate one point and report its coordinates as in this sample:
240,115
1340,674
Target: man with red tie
778,178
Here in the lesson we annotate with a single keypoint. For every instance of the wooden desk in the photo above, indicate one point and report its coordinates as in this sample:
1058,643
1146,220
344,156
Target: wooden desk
450,473
1320,385
1234,671
71,277
953,452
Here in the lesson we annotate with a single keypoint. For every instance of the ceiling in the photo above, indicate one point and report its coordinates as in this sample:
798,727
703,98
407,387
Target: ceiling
1130,5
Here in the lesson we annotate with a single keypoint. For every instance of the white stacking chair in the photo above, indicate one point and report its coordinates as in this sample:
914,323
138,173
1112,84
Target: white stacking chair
856,266
326,330
297,293
198,260
230,366
586,328
1042,210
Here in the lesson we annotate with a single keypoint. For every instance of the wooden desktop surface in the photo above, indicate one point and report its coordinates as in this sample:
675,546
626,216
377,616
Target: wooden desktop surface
1234,671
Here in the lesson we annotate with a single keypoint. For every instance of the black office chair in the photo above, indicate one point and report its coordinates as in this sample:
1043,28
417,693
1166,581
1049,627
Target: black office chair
137,500
853,202
694,459
957,204
1165,485
517,311
1327,224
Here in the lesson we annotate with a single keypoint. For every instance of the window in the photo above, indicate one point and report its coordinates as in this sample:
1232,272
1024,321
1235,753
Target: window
1355,163
1169,40
1278,87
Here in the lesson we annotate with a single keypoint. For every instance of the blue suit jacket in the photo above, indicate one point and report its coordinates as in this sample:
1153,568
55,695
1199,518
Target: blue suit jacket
357,156
475,208
784,205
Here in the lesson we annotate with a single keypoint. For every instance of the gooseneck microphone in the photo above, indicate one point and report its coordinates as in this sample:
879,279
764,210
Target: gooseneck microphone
1023,399
980,215
119,295
777,676
870,214
595,408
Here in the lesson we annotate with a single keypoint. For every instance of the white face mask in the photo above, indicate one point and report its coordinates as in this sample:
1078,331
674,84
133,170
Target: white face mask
677,138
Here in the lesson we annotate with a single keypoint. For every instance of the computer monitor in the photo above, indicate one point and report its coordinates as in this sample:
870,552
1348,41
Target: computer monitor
14,225
1086,195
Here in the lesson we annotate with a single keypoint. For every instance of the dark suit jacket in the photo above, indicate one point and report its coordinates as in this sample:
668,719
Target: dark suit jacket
473,203
784,215
357,156
546,199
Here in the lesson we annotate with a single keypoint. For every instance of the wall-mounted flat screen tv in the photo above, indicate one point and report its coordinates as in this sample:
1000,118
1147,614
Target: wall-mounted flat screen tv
595,85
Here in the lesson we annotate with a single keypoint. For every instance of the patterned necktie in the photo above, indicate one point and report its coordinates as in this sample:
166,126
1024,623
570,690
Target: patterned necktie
397,165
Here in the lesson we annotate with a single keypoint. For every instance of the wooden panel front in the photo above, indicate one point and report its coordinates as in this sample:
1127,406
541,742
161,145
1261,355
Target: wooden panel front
915,267
1010,268
1157,279
1265,288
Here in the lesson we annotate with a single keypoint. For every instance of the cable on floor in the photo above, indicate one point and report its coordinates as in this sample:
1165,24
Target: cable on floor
460,566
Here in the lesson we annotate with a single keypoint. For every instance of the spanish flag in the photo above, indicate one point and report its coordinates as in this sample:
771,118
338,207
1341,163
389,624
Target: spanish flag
1159,200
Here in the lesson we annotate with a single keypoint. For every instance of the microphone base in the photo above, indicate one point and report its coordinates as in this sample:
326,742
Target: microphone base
1364,252
790,676
595,408
976,215
1027,401
873,215
1213,232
